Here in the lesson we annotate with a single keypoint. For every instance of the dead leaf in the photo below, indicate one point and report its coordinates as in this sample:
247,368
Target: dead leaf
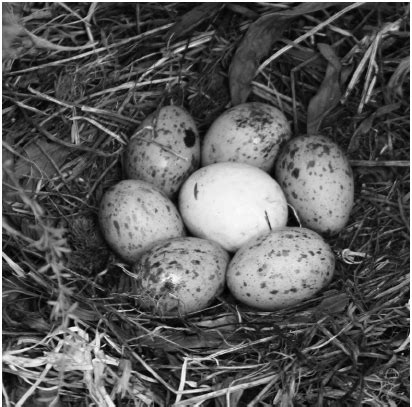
242,10
42,159
256,43
334,303
192,19
329,92
305,8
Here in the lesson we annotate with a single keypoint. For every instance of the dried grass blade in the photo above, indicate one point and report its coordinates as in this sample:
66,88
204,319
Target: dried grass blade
92,52
309,34
381,163
102,128
221,392
43,43
14,266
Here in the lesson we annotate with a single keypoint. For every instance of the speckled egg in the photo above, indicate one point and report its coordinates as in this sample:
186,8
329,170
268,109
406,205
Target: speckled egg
317,179
230,203
165,150
280,268
133,215
180,276
249,133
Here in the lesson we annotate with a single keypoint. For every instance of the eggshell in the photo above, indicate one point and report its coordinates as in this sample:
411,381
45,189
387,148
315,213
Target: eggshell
230,203
249,133
317,179
165,151
280,268
133,215
180,275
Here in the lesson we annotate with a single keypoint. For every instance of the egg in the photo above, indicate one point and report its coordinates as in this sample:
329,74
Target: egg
165,150
280,268
134,214
249,133
230,203
317,179
180,275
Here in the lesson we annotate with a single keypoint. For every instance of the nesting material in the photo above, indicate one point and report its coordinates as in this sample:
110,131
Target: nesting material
78,80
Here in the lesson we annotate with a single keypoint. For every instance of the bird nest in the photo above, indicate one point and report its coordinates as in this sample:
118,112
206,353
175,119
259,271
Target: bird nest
78,79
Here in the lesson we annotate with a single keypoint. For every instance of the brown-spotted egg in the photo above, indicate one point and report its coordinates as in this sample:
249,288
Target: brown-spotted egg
317,179
179,276
133,215
250,133
165,150
280,268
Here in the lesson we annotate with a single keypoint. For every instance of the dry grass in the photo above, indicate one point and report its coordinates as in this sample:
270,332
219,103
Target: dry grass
76,85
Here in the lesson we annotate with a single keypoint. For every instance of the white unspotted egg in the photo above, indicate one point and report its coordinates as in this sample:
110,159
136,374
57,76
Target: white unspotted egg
230,203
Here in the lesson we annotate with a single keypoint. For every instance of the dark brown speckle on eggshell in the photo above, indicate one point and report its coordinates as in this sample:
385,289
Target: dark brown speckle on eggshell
167,155
318,182
134,214
250,133
179,278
